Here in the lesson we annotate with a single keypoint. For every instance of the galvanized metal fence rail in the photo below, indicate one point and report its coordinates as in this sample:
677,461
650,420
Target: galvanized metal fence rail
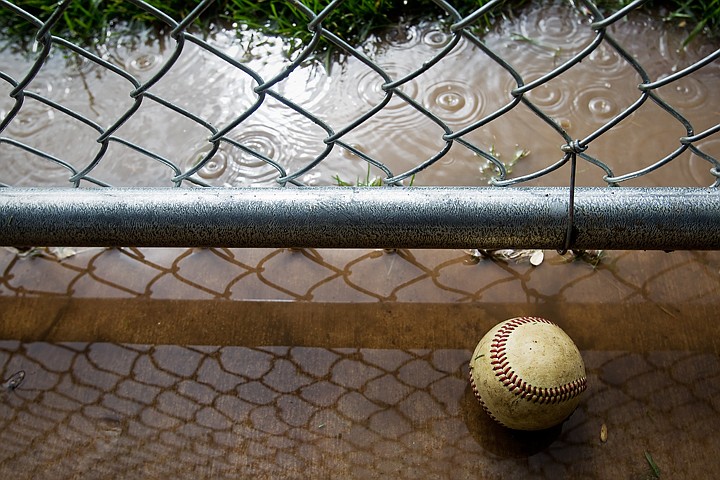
400,215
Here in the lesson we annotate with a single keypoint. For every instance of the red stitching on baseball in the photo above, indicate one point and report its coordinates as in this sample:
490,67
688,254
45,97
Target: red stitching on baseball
479,398
515,384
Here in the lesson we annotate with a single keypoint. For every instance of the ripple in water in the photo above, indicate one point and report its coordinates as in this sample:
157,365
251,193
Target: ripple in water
557,25
687,92
609,62
454,102
551,97
214,167
400,37
397,113
436,38
231,166
307,87
369,87
30,170
142,62
261,140
141,56
33,117
596,103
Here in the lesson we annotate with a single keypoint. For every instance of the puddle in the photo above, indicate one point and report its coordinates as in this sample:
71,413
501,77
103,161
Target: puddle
461,89
293,412
226,363
280,363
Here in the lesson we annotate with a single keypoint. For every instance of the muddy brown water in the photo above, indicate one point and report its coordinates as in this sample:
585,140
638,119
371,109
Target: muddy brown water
276,363
463,87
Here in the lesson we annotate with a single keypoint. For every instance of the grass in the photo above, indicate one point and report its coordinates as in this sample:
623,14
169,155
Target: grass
89,21
653,466
364,182
702,14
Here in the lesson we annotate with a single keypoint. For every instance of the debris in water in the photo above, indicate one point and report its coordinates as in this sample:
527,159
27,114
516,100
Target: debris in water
603,433
653,465
57,253
537,258
14,381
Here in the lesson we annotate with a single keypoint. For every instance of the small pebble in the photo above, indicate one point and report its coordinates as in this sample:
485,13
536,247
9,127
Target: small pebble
537,258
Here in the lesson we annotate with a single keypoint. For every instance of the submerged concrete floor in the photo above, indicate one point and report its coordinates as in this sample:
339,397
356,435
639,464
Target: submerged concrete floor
353,364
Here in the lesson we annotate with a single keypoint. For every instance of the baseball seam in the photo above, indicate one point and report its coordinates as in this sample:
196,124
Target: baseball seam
476,392
514,383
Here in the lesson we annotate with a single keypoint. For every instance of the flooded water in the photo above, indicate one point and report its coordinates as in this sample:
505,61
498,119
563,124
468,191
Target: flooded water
463,87
195,363
138,411
280,363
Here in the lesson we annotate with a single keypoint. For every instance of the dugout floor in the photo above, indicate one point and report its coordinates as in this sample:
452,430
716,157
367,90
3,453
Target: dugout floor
153,382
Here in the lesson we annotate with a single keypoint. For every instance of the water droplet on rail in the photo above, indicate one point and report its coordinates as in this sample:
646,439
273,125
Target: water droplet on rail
14,381
111,427
537,258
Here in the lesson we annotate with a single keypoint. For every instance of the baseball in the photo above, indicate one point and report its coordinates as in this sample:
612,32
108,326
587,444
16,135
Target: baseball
527,374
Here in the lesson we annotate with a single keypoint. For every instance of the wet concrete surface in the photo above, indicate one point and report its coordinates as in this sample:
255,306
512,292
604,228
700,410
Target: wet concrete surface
129,375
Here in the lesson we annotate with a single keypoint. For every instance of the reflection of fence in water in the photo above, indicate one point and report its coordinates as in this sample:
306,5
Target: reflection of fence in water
463,142
229,412
361,276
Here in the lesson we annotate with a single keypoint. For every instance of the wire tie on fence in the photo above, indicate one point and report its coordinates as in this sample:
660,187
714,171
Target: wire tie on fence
573,149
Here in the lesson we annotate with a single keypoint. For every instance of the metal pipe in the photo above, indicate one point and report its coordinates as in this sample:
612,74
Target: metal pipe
345,217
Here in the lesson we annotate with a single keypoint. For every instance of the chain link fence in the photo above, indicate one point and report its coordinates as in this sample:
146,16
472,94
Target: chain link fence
565,217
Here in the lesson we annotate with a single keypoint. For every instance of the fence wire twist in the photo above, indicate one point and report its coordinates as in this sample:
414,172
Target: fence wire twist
267,89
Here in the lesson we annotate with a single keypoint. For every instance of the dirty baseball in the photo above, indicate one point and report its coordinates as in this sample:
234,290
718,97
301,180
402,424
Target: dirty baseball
527,374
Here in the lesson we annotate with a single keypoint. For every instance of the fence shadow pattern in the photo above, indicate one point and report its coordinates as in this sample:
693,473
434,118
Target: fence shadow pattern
458,28
230,412
311,275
